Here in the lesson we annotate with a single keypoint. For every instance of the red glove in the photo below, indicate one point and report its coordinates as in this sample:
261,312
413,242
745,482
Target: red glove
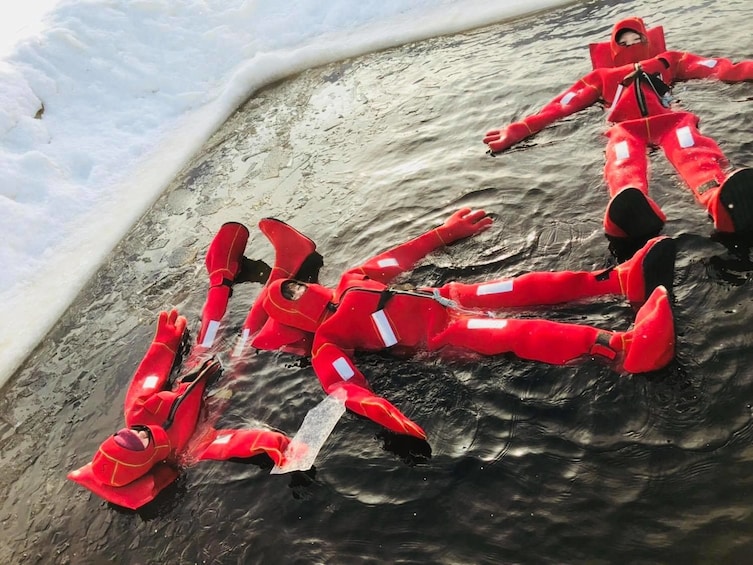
498,140
170,329
463,223
378,409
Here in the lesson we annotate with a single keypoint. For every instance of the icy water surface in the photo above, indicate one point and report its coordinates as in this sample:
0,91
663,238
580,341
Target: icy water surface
528,463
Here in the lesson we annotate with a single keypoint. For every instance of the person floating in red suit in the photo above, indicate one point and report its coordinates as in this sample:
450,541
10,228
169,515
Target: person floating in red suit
163,429
632,76
366,313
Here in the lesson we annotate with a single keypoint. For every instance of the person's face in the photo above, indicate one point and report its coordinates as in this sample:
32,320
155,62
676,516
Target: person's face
143,436
628,38
293,290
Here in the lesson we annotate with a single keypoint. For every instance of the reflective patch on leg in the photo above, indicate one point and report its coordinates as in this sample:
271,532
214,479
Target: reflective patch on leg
621,150
486,324
685,137
383,327
497,287
343,368
710,63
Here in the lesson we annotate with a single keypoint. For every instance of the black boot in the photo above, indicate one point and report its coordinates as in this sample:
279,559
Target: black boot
631,213
736,199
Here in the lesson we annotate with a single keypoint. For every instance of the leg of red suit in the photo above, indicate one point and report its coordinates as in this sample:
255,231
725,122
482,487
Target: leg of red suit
626,160
536,340
648,346
635,279
223,262
531,289
701,164
292,249
630,213
697,158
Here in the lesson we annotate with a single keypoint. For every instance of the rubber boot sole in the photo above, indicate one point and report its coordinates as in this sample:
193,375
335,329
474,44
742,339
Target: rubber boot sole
736,195
630,211
658,266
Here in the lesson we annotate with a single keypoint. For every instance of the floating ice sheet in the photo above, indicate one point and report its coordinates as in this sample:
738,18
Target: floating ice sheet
314,431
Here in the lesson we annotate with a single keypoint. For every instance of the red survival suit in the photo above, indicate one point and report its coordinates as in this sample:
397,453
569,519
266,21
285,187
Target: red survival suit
364,314
131,476
634,83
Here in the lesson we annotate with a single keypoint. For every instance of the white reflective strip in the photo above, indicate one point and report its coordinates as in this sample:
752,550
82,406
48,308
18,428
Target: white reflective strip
343,368
621,150
212,328
388,262
486,323
617,93
685,137
566,98
241,342
222,439
150,382
383,327
710,63
494,288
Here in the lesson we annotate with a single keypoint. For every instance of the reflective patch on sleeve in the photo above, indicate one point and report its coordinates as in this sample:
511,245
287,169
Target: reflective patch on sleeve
150,382
494,288
343,368
567,98
710,63
486,323
685,137
212,328
388,262
621,150
383,327
220,440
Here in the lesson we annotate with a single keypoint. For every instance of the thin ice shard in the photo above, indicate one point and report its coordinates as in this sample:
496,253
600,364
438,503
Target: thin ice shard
314,431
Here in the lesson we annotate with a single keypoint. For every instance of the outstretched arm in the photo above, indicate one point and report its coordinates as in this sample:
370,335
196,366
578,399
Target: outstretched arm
686,66
246,443
152,373
386,266
584,93
336,371
379,410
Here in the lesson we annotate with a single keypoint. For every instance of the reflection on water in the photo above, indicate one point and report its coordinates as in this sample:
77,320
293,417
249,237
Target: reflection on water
525,463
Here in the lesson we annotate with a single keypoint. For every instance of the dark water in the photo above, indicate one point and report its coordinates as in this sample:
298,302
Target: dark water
529,463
